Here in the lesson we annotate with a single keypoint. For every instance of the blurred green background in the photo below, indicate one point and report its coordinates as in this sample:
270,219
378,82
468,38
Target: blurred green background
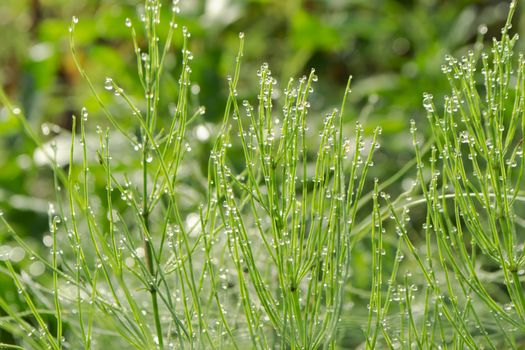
393,49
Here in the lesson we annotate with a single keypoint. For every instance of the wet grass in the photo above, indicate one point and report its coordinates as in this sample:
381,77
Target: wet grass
262,255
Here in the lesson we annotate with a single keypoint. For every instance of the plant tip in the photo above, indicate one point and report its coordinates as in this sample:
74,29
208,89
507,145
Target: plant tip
482,29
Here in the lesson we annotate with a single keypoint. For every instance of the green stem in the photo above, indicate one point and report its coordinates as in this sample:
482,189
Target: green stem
148,249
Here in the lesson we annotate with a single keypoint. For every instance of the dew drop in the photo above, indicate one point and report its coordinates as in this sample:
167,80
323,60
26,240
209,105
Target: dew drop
108,84
482,29
84,114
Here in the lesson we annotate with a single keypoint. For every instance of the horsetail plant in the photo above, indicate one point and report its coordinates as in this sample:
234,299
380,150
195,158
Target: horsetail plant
261,257
473,193
123,250
141,245
298,217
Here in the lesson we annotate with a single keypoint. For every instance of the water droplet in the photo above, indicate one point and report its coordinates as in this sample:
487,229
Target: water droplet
108,84
84,114
428,103
482,29
45,129
128,23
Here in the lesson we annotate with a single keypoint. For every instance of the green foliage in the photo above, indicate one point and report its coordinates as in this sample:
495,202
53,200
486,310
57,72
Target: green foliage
272,235
473,193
